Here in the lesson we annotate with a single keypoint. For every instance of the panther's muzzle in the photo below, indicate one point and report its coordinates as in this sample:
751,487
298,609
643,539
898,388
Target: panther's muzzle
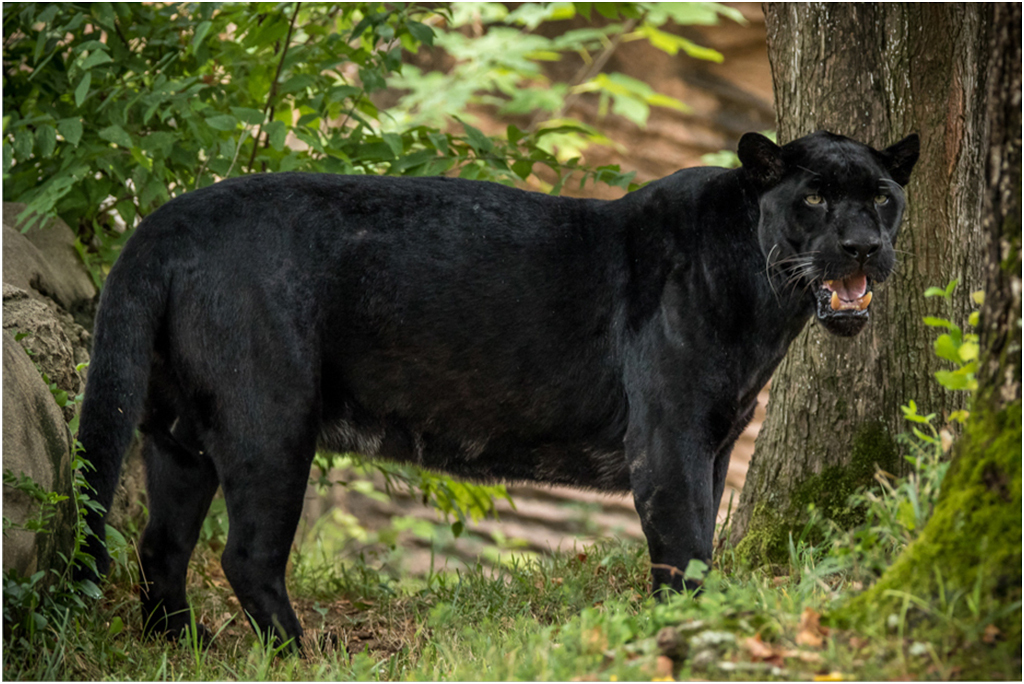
842,304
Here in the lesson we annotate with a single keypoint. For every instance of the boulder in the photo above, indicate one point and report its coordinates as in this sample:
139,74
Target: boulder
37,444
48,304
54,341
43,262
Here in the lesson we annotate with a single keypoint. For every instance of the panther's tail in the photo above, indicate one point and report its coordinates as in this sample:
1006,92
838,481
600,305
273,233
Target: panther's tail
130,314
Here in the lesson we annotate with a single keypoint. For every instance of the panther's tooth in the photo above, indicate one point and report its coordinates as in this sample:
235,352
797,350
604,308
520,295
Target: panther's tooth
863,302
835,301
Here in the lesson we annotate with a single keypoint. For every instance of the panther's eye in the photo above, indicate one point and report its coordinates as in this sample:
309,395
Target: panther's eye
881,199
814,199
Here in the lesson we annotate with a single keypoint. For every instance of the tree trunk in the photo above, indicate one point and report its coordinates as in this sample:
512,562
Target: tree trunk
973,540
874,73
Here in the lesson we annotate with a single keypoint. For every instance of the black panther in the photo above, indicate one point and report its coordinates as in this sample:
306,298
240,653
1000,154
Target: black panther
471,328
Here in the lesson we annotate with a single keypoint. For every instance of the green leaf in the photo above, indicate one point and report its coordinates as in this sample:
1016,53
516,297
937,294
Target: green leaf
394,141
46,137
298,82
222,122
90,589
277,133
71,129
82,91
968,351
117,135
116,627
457,528
695,570
659,100
422,33
952,380
248,115
938,322
8,156
158,142
514,134
96,58
480,143
201,30
126,209
23,143
523,168
946,349
631,108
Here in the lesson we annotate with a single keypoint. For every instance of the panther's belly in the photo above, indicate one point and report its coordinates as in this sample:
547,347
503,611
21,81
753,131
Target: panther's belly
583,463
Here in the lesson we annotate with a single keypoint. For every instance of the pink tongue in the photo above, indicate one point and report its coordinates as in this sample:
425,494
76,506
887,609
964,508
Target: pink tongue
851,289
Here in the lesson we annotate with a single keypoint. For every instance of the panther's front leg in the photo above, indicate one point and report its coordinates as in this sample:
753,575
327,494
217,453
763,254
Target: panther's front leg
670,446
672,476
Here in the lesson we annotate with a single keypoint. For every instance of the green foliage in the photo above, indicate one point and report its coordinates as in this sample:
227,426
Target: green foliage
955,345
499,63
110,110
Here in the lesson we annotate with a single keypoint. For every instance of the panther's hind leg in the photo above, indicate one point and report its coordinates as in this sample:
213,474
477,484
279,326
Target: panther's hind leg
180,483
266,471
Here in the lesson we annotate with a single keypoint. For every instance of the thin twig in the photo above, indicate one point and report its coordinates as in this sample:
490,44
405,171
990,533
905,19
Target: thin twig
238,148
273,86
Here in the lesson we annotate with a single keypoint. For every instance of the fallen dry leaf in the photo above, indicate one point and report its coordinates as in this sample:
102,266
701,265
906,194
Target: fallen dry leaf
991,634
762,652
810,632
830,677
663,669
758,649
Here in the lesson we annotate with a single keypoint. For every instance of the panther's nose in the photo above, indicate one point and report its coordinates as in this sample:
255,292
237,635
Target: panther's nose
862,248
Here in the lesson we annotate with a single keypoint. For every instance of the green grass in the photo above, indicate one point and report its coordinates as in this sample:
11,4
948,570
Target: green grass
584,614
580,615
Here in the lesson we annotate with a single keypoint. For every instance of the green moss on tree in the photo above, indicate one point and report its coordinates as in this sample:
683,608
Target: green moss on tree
771,523
972,543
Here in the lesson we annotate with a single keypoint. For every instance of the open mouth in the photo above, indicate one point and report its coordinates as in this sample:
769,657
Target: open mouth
849,294
842,304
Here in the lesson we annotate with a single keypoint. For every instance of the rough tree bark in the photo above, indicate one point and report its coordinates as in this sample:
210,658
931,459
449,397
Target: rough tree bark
973,540
874,73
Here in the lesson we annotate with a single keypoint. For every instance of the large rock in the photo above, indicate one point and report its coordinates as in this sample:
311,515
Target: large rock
43,262
44,284
55,342
37,444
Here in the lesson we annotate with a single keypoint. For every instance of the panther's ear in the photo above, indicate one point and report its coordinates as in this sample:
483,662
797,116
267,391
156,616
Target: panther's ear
761,159
900,158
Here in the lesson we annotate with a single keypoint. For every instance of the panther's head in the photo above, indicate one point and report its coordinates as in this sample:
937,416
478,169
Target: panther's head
830,212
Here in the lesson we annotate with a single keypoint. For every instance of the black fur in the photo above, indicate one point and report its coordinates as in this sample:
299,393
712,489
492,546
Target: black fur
468,327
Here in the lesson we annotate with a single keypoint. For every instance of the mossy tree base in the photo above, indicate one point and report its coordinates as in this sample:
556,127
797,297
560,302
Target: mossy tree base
772,521
970,550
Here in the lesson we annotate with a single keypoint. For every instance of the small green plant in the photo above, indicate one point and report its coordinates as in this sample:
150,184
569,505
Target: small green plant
959,347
